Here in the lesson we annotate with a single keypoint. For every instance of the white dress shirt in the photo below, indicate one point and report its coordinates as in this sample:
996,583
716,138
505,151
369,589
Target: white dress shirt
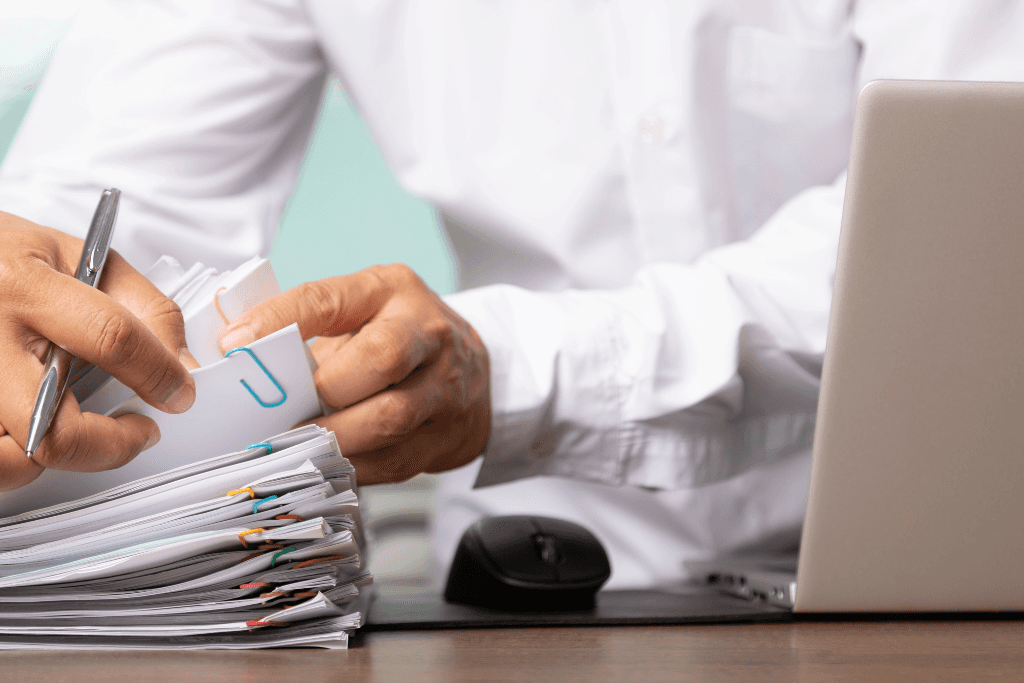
656,185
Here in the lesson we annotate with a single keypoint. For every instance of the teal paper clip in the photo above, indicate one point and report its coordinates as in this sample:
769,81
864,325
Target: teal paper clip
261,444
261,501
284,396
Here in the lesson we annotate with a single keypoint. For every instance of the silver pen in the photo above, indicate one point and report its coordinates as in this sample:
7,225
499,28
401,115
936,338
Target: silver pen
58,361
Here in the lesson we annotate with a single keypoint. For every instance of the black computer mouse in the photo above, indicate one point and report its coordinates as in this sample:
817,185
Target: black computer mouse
525,563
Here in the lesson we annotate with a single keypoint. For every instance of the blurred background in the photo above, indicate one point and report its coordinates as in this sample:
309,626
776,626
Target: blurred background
346,199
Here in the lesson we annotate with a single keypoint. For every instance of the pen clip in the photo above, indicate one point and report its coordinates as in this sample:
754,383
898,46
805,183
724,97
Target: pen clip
97,243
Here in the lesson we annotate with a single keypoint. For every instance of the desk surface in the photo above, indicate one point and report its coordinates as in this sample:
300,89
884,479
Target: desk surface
869,651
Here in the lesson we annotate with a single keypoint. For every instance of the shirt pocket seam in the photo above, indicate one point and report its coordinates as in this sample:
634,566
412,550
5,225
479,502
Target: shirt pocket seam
777,76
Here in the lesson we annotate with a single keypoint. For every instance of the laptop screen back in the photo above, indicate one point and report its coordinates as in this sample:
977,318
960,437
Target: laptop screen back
917,488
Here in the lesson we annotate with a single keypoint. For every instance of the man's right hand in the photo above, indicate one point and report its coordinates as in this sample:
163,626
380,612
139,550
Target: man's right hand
127,327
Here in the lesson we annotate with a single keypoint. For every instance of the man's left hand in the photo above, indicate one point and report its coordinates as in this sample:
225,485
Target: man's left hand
409,377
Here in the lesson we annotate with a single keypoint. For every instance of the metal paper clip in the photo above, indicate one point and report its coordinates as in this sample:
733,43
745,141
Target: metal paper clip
284,396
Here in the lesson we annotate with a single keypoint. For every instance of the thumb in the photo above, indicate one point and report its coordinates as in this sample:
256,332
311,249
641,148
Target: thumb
322,308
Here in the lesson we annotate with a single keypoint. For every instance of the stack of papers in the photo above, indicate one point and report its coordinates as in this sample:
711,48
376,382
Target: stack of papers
256,548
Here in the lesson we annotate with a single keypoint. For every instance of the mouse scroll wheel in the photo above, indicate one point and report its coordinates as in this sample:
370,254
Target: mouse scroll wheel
548,549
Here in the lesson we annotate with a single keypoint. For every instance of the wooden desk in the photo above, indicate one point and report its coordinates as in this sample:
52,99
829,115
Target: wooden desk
857,651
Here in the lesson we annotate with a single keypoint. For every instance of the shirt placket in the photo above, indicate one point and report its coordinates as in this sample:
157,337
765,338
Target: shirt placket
650,78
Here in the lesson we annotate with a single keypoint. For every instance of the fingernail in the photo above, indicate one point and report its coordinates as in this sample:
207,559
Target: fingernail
181,399
240,336
153,440
186,358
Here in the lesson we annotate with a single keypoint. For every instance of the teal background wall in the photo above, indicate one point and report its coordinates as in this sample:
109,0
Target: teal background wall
12,111
351,210
347,212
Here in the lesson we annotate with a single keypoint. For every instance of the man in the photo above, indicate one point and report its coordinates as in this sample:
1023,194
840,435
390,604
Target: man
656,184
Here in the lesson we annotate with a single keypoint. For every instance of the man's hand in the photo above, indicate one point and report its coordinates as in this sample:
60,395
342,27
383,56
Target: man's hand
127,327
410,377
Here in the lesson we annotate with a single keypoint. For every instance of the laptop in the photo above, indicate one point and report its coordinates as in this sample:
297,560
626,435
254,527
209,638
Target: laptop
916,500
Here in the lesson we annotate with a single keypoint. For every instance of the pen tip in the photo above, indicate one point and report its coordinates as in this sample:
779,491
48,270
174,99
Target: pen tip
28,454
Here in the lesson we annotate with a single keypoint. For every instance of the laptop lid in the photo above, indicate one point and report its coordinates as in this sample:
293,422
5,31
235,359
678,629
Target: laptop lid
917,488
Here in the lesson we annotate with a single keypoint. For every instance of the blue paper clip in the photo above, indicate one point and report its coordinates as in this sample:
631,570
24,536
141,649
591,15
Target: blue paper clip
261,501
284,396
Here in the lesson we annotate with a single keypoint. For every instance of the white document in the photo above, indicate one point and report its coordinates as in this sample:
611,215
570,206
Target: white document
195,292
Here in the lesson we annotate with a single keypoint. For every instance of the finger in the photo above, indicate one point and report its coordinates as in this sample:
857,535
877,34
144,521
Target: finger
132,290
325,307
434,447
160,314
16,470
188,360
386,418
86,442
20,372
92,326
77,441
325,348
381,354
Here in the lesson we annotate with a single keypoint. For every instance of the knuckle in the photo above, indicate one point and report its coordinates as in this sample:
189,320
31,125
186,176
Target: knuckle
318,301
381,280
331,388
399,274
396,415
455,389
113,336
65,445
165,313
385,354
401,271
441,329
18,276
11,273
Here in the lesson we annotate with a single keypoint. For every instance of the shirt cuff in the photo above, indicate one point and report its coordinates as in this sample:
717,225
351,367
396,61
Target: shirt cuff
526,438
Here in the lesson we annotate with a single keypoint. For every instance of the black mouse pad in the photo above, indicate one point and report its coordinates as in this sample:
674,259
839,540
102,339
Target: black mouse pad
394,611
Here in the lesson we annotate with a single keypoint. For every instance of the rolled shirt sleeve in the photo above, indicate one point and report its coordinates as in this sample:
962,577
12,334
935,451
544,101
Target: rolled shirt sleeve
691,375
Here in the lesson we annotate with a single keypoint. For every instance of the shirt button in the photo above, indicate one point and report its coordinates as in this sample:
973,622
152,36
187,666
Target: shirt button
651,129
